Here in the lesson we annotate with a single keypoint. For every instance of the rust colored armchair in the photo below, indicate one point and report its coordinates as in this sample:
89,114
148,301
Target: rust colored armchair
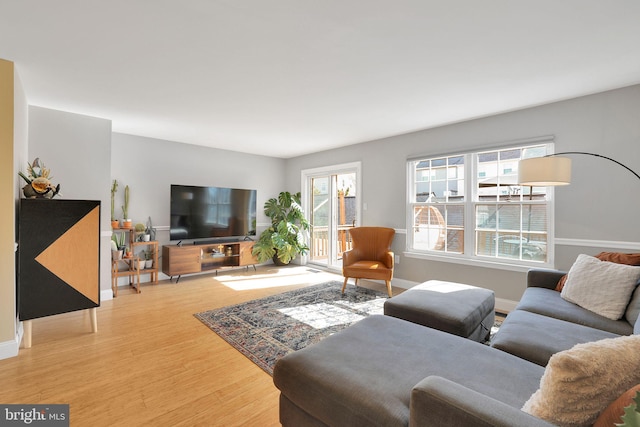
371,257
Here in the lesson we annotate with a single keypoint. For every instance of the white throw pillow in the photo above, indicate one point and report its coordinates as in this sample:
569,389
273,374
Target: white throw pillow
579,383
602,287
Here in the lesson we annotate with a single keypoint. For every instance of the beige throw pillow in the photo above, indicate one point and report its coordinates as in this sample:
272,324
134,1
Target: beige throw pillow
602,287
581,382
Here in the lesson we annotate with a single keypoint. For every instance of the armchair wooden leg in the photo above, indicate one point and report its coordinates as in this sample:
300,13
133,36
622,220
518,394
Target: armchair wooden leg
344,285
389,291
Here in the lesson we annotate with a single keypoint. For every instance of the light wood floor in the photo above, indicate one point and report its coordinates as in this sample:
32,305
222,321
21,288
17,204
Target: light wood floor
151,362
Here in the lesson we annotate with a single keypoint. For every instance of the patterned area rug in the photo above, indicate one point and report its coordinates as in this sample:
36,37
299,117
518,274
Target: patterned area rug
266,329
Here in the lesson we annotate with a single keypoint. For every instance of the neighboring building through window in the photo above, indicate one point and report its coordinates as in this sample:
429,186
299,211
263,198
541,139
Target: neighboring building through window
471,206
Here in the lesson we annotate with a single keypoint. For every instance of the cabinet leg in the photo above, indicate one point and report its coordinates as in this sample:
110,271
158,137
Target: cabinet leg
94,319
27,325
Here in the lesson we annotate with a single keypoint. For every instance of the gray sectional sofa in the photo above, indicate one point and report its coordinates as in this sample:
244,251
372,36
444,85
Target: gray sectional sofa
543,323
385,371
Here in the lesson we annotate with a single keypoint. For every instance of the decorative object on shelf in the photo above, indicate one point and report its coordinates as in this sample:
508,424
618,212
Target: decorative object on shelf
126,221
228,251
148,258
141,232
114,189
285,239
117,245
553,170
150,230
38,184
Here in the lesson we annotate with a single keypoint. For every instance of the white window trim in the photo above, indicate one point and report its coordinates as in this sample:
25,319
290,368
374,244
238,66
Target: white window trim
469,258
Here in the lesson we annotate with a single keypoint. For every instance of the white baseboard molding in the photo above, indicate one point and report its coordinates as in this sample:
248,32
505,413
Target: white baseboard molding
106,295
10,348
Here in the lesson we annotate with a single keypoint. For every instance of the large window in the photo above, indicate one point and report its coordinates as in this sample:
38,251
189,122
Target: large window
470,206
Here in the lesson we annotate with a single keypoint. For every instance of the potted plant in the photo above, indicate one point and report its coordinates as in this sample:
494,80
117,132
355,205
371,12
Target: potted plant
285,239
148,258
141,231
114,222
117,245
126,221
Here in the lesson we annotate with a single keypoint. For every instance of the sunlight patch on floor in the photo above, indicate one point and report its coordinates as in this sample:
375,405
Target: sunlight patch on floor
270,277
321,315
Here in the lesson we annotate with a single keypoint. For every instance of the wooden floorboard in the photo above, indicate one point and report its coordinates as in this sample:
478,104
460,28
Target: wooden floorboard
152,362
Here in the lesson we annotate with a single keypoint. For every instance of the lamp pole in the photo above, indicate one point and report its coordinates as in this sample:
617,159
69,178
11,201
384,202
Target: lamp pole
595,155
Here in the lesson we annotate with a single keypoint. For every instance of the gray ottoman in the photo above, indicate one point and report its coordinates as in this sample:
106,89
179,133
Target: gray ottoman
459,309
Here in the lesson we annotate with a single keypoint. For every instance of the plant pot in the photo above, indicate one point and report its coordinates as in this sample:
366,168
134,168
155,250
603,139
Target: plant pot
145,237
148,263
141,264
128,254
116,255
277,261
127,223
115,224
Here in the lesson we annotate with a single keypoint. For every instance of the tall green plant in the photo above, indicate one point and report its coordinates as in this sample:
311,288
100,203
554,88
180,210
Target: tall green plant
285,239
125,208
114,189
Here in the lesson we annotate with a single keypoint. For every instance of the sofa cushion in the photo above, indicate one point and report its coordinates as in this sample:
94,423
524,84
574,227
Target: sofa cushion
578,384
600,286
617,257
548,302
536,338
364,375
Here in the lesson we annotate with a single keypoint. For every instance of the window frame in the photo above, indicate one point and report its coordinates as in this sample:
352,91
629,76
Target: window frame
471,201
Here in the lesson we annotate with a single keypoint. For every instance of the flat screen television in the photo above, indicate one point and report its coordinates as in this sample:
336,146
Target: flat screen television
211,212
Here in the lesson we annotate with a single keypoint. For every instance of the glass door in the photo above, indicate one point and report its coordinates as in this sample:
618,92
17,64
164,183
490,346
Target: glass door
333,209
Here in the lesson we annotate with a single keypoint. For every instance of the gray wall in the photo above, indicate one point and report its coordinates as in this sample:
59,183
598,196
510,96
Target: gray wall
149,166
77,149
596,212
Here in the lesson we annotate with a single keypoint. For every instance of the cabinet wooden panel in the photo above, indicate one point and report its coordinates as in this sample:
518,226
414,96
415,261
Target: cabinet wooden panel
58,256
246,257
178,260
188,259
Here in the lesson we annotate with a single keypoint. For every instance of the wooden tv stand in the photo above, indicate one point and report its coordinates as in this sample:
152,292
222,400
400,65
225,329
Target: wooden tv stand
198,258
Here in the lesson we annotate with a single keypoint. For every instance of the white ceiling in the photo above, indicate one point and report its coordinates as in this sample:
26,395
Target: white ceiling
289,77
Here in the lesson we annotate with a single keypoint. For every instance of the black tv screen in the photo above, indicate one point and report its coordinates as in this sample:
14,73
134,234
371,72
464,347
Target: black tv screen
211,212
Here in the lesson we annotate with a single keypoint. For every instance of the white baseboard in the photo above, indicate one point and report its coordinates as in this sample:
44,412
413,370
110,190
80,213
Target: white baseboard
106,295
10,348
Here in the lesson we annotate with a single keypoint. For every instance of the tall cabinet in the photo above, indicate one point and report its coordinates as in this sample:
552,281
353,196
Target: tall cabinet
58,259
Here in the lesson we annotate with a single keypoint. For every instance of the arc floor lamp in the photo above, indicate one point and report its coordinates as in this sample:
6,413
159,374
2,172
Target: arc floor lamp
552,169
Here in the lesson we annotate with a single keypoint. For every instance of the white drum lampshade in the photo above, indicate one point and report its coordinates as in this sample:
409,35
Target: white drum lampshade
544,171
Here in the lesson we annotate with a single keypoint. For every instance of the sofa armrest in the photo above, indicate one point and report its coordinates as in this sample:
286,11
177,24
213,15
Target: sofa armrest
544,278
436,401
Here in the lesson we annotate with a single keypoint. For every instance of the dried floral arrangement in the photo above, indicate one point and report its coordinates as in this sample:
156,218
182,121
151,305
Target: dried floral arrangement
38,181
